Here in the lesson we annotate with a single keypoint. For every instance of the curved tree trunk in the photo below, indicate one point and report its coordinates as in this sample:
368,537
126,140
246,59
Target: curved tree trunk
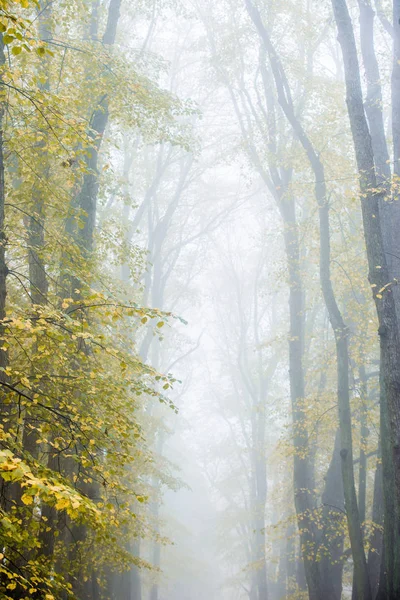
337,323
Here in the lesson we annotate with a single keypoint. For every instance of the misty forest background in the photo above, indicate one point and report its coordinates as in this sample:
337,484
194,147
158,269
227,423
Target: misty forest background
199,299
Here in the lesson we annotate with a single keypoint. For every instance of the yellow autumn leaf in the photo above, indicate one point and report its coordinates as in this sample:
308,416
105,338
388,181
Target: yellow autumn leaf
26,499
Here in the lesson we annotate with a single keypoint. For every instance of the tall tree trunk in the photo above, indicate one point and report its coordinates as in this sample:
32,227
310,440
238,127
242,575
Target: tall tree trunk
260,481
302,469
381,284
86,203
36,225
396,88
156,549
389,205
135,579
335,317
392,225
332,539
389,209
374,101
364,434
3,276
362,471
3,239
389,585
39,286
376,540
87,197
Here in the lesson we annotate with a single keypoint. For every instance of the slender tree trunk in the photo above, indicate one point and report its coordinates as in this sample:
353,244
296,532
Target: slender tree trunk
376,541
291,559
392,225
260,474
87,197
3,239
332,539
5,410
374,101
362,471
389,210
136,584
302,469
364,434
86,202
36,232
396,88
156,550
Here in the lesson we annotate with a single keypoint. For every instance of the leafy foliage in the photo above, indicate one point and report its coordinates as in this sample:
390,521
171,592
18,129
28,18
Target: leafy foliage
73,453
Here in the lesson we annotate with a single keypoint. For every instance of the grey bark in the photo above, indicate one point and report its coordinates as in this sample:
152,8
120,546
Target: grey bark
337,323
379,277
376,540
39,288
3,238
303,473
86,203
362,471
332,538
389,210
392,228
87,197
4,487
364,434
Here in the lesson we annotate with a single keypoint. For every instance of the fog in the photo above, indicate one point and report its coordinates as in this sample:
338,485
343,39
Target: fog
199,311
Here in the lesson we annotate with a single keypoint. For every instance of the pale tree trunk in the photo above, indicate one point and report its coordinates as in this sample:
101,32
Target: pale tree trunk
135,580
156,550
364,434
261,498
376,540
286,571
362,471
332,537
259,398
303,477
